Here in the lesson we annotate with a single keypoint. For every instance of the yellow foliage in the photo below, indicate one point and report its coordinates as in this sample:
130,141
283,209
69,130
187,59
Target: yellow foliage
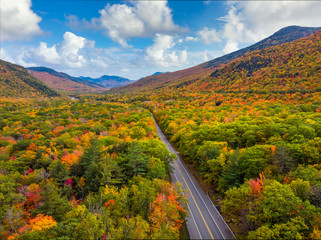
42,222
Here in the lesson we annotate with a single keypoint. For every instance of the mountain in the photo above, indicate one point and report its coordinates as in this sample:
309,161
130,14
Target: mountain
188,76
63,82
109,81
290,67
157,73
16,81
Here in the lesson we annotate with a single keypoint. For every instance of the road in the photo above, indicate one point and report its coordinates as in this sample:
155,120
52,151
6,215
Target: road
204,222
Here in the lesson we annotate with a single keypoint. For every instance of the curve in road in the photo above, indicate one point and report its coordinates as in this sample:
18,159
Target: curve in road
204,222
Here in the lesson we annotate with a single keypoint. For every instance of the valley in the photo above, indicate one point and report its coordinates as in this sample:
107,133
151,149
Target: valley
100,166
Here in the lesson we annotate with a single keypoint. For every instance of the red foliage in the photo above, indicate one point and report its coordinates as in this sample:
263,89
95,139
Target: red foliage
34,197
68,182
256,185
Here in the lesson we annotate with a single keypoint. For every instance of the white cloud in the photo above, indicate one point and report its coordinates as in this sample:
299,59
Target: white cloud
191,39
68,52
142,19
18,21
209,36
160,52
5,56
49,55
230,46
251,21
70,49
78,56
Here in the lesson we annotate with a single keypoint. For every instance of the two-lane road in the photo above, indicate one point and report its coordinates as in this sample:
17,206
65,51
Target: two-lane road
204,222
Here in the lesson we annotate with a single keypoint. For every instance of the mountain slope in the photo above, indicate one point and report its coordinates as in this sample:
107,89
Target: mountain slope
109,81
290,67
63,82
16,81
195,73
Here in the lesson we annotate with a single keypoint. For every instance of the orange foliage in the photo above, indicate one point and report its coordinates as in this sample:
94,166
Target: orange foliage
32,147
166,210
256,185
42,222
69,159
110,203
273,149
38,223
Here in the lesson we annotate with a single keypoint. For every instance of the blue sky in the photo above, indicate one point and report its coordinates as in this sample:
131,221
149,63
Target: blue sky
134,39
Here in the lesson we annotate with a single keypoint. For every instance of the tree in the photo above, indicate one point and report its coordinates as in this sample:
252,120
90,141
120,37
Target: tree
53,204
132,228
235,206
137,161
294,229
277,204
282,159
301,188
94,177
231,176
93,153
59,172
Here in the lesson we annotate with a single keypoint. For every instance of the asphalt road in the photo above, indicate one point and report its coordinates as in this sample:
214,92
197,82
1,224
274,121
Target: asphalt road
204,222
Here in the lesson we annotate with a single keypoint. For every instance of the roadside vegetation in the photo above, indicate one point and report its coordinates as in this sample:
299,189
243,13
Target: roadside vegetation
84,170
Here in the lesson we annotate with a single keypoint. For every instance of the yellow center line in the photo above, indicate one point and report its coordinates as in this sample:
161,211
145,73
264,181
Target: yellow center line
194,201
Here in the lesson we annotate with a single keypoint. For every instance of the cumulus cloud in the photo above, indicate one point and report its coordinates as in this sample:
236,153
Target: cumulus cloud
251,21
68,52
230,46
191,39
142,19
5,56
209,36
18,21
70,49
78,56
160,52
47,54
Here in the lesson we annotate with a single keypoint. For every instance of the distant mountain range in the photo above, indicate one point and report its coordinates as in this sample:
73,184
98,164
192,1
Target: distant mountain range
16,81
193,74
66,83
108,81
63,82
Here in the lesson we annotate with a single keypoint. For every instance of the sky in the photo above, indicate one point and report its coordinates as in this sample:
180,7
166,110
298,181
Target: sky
134,39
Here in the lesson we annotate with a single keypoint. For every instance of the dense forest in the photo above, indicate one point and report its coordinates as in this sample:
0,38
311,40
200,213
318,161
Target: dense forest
84,170
251,130
260,153
94,168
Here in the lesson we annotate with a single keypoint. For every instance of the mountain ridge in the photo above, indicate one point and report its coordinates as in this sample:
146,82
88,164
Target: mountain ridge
109,81
63,75
16,81
197,72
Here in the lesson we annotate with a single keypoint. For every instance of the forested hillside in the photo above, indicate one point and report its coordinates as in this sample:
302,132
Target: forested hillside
289,67
16,81
62,82
190,75
252,131
84,170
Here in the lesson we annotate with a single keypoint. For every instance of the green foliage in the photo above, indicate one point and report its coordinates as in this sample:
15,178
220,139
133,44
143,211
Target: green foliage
65,174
